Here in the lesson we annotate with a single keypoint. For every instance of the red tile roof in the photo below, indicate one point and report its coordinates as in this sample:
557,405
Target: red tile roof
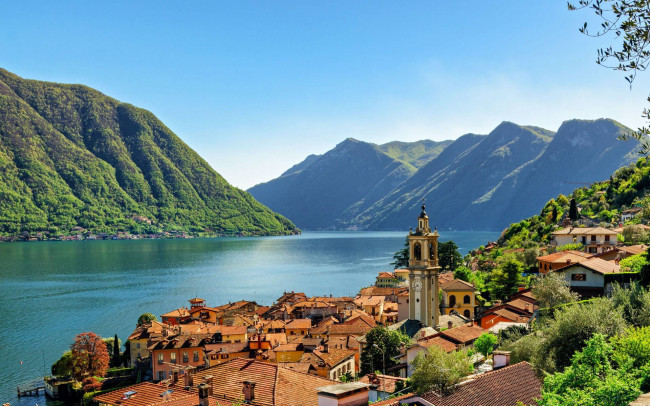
149,394
438,341
385,383
456,284
503,387
274,385
334,356
463,334
303,324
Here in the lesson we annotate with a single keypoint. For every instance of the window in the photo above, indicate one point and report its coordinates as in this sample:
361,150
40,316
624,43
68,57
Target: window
161,375
139,355
196,356
593,250
452,300
579,277
417,251
467,314
606,238
137,346
161,358
185,357
467,299
224,356
593,238
173,357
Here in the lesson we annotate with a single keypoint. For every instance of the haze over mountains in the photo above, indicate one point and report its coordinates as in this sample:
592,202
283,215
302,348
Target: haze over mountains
477,182
73,157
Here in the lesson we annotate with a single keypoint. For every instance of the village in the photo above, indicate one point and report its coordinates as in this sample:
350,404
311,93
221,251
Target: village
309,350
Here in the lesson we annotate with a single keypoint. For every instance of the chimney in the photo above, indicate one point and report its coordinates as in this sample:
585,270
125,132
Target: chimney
208,381
501,359
204,393
189,379
249,391
450,324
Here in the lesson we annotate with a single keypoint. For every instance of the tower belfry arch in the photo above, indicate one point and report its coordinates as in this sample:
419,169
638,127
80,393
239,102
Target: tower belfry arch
423,272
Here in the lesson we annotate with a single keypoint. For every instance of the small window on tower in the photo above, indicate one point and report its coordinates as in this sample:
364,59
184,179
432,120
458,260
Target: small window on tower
417,251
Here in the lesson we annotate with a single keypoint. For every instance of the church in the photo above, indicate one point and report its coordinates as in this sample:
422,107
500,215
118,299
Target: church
423,273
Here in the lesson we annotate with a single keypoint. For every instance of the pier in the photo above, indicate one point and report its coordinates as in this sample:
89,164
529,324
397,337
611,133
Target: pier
31,388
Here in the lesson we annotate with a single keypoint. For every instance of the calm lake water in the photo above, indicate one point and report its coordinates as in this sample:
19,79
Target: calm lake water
51,291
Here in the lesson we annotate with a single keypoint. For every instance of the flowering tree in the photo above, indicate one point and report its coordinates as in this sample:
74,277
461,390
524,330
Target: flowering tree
89,356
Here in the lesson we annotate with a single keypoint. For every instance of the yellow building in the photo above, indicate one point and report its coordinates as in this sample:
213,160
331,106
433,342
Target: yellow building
218,353
459,296
386,280
402,276
291,352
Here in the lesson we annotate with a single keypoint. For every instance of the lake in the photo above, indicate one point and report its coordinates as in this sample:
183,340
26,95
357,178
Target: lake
51,291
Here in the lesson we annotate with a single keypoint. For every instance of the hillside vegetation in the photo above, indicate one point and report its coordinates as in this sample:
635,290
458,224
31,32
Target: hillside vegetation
73,157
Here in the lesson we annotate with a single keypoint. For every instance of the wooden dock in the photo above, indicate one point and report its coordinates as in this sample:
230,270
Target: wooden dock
31,388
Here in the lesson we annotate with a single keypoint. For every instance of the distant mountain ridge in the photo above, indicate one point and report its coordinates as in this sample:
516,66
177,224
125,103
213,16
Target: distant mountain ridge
477,182
73,157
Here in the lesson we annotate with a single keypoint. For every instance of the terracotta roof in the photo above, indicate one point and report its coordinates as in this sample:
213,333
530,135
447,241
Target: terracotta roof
369,300
179,341
634,249
377,291
274,325
273,385
514,317
445,277
386,275
356,327
563,256
524,305
299,324
302,367
463,334
225,348
385,383
334,356
584,231
457,284
288,347
148,394
438,341
182,312
597,265
262,309
503,387
313,304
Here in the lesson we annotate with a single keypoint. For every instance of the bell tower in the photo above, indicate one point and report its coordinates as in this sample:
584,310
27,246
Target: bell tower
423,272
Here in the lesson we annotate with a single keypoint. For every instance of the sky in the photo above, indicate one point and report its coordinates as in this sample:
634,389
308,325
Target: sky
256,86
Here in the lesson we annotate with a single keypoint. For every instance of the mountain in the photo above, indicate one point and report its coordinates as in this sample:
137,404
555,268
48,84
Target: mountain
348,178
73,157
417,153
477,182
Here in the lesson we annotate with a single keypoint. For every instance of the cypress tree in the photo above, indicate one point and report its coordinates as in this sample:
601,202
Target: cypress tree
573,210
116,352
554,214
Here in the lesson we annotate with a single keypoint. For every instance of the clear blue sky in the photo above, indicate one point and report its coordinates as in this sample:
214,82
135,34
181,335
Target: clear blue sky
256,86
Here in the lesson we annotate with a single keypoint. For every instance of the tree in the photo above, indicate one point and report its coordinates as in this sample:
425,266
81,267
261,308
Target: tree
552,289
89,356
634,234
63,367
505,278
463,273
485,344
116,352
574,324
146,318
448,256
435,369
554,215
388,346
634,302
628,21
573,210
591,379
401,257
